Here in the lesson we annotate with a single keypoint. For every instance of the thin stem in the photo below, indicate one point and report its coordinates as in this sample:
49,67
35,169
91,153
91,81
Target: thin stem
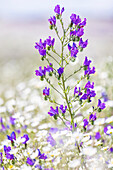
73,73
63,122
53,58
56,53
53,87
57,33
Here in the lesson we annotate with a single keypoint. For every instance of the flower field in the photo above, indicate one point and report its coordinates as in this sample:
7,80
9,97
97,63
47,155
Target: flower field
62,118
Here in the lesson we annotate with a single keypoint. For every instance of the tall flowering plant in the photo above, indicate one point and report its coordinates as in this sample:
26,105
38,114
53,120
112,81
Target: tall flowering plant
71,39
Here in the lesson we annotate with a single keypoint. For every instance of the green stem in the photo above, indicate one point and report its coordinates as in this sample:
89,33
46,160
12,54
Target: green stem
53,58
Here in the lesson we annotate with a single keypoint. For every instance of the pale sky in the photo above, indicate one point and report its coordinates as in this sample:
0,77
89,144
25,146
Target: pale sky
41,8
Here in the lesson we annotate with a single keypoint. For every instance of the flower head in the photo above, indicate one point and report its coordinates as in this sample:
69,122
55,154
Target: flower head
46,91
52,21
41,46
101,105
83,44
75,19
12,137
50,42
26,138
53,112
30,161
57,10
41,72
73,50
62,108
97,136
60,71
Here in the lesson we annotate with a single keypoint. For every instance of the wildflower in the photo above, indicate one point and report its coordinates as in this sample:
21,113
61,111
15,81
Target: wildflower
12,121
41,72
41,156
107,128
100,105
52,21
104,96
7,149
30,161
50,42
46,91
9,156
1,158
89,85
83,44
57,10
77,91
88,95
85,122
73,50
83,23
87,62
49,69
41,46
12,137
97,136
25,137
60,71
62,108
92,118
53,112
75,19
111,149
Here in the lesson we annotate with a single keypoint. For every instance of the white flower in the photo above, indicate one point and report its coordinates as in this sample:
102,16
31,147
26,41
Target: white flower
74,163
89,151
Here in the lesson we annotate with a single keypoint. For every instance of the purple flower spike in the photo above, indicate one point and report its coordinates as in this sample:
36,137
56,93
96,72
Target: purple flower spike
53,112
41,156
83,44
26,137
92,117
46,91
97,136
30,161
101,105
62,108
52,21
51,140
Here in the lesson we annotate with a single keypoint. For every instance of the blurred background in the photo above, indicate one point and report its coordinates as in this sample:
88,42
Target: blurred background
24,22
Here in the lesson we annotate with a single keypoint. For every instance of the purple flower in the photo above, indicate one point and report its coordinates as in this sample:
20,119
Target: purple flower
80,32
87,62
97,136
49,68
9,156
1,158
60,71
51,140
88,95
26,137
89,71
83,23
12,137
57,10
46,91
50,42
41,72
75,19
107,128
85,122
7,149
104,96
52,21
77,91
83,44
73,50
75,125
30,161
89,85
12,120
41,156
2,125
101,105
53,112
41,47
111,149
62,108
92,117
